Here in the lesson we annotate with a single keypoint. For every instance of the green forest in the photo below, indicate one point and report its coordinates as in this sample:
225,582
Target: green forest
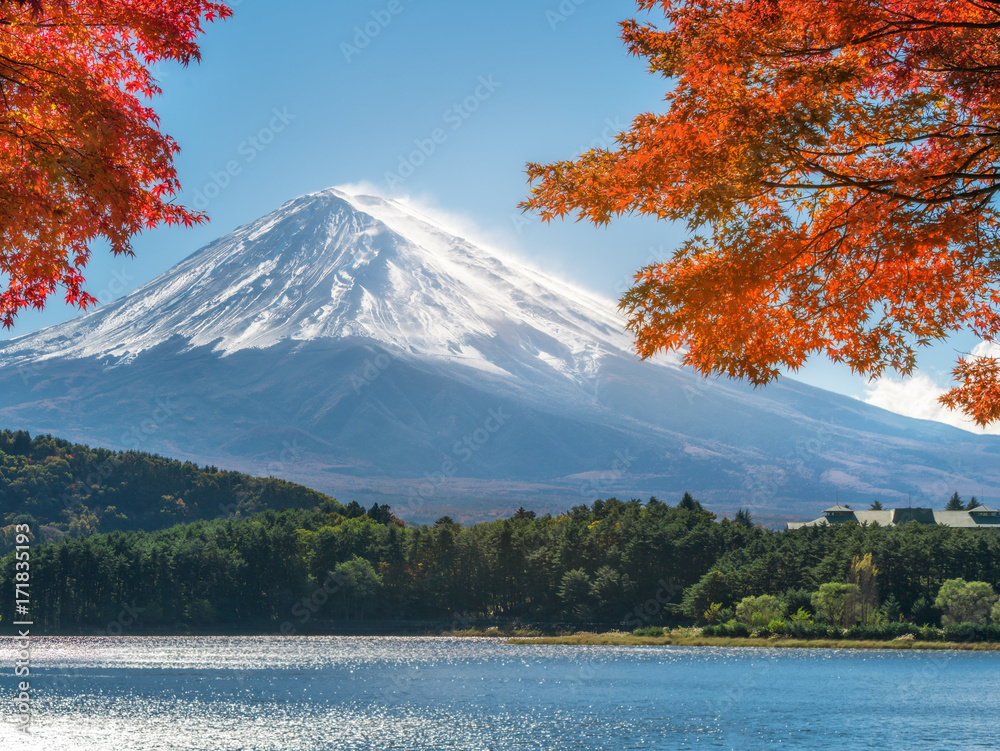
61,488
628,564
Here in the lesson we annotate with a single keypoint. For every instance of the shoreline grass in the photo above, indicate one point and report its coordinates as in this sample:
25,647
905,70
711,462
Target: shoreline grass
678,640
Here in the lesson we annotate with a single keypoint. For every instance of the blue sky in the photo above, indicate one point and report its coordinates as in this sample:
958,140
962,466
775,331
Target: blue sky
444,102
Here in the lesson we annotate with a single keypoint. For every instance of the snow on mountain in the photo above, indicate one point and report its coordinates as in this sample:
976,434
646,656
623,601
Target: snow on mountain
355,345
328,265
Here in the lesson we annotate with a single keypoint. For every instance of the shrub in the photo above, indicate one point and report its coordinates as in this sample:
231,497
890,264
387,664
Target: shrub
989,632
924,612
807,630
759,611
648,631
897,629
930,633
777,627
971,632
837,603
858,632
964,602
714,613
726,615
800,629
736,630
797,599
882,632
801,616
960,632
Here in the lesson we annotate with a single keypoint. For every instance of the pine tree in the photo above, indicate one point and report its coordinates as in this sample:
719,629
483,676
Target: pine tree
689,503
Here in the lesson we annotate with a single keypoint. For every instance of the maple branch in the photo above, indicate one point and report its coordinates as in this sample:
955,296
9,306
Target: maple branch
843,158
82,158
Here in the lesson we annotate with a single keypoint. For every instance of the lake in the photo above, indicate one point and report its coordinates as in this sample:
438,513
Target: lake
341,693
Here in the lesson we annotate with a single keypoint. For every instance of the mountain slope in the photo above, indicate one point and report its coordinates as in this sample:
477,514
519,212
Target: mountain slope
349,343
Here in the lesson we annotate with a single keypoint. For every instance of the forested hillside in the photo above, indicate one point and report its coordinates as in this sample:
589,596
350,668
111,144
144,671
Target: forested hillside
62,488
628,564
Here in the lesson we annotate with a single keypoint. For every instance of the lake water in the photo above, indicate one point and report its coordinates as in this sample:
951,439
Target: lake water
326,693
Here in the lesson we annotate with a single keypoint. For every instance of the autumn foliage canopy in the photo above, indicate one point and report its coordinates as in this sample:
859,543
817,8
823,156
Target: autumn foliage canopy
81,155
836,162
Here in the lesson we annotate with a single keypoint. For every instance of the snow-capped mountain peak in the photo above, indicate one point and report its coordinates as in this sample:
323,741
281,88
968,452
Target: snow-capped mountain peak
329,265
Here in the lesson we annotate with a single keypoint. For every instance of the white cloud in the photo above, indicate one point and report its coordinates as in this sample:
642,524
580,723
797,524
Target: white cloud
986,349
917,396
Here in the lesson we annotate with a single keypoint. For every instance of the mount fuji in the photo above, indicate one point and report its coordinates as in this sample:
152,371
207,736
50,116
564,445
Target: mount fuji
352,344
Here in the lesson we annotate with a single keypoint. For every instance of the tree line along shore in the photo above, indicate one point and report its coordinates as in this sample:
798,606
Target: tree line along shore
633,566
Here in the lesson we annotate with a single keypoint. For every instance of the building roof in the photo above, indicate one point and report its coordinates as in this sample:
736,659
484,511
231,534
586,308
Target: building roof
977,518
